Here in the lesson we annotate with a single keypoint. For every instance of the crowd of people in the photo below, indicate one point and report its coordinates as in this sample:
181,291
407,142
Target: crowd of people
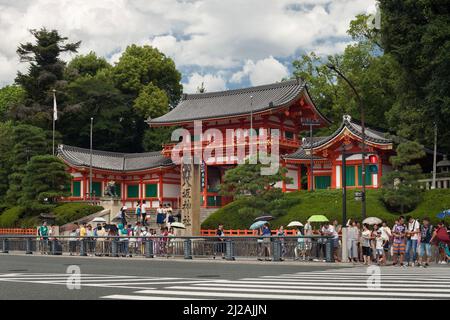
97,239
409,242
164,214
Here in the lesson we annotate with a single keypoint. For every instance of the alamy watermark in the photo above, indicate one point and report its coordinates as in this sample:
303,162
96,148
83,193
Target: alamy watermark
374,20
73,281
237,147
374,279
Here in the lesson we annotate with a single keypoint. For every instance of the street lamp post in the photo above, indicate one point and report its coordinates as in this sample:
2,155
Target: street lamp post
90,162
433,184
311,123
363,144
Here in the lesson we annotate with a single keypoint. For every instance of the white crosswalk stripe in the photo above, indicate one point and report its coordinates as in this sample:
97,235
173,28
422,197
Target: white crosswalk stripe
339,284
351,284
97,280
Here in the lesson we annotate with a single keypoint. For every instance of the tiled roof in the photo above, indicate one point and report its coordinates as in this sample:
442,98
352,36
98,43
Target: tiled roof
234,102
113,161
301,154
371,135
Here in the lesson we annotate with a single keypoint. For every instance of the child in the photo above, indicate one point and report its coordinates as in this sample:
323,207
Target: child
379,246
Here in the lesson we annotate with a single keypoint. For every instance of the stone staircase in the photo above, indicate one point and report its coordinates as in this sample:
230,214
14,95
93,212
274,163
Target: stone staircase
206,212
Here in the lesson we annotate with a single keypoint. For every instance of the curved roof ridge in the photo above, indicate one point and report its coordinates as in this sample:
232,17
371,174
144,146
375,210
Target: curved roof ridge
231,92
347,122
113,161
109,153
234,103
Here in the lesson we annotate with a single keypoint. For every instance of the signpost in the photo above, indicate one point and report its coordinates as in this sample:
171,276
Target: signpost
190,197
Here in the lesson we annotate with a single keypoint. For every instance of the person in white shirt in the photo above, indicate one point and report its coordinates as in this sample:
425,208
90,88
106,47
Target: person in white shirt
300,248
333,230
412,236
386,234
143,214
160,216
366,237
308,242
352,241
379,247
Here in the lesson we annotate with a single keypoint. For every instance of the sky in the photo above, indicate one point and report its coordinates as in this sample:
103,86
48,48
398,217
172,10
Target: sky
225,44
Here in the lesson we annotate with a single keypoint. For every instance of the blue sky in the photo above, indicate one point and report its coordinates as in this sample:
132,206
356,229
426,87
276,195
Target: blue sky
224,43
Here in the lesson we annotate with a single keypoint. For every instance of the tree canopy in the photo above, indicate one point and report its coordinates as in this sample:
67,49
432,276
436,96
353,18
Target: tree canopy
401,191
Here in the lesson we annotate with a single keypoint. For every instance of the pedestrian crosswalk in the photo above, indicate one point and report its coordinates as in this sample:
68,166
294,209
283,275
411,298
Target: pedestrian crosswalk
97,280
337,284
348,284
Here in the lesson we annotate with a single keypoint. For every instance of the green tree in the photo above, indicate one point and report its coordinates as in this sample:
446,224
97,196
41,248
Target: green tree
257,192
27,141
116,126
417,35
151,102
401,191
83,65
6,145
9,96
45,73
154,138
138,66
247,180
45,177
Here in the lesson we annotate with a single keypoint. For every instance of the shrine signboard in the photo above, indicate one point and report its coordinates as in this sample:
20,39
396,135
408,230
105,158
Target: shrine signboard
190,198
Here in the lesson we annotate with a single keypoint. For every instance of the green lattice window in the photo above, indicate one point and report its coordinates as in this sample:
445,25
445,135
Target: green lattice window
133,191
368,175
322,182
214,201
97,189
151,190
350,176
76,188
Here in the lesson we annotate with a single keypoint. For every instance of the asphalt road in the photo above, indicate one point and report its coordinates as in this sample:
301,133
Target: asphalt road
141,268
46,277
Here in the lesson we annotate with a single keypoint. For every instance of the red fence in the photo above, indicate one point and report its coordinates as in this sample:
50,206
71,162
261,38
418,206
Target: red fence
209,232
19,231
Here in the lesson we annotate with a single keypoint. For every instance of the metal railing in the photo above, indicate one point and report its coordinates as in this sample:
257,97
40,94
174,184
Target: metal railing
274,248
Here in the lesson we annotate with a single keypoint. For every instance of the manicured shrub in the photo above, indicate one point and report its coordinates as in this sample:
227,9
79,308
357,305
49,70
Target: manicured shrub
68,212
10,217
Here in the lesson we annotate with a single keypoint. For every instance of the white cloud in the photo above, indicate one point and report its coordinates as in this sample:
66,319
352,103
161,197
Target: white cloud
262,72
210,82
200,34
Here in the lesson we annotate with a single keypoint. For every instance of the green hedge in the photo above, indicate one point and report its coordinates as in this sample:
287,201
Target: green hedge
68,212
10,217
329,203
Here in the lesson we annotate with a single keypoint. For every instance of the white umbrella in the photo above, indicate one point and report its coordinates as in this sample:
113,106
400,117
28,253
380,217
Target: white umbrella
99,220
178,225
372,221
295,224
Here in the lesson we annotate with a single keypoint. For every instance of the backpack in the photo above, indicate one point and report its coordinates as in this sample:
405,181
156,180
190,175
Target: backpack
442,235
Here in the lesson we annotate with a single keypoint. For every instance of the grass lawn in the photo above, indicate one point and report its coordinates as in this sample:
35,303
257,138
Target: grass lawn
329,203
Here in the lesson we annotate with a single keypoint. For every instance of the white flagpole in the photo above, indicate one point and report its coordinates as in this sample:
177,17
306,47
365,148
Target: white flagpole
55,117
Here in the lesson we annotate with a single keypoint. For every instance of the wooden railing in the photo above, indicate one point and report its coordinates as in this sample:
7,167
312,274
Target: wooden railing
18,231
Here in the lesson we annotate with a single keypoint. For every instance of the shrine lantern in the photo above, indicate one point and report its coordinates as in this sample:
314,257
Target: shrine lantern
373,159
